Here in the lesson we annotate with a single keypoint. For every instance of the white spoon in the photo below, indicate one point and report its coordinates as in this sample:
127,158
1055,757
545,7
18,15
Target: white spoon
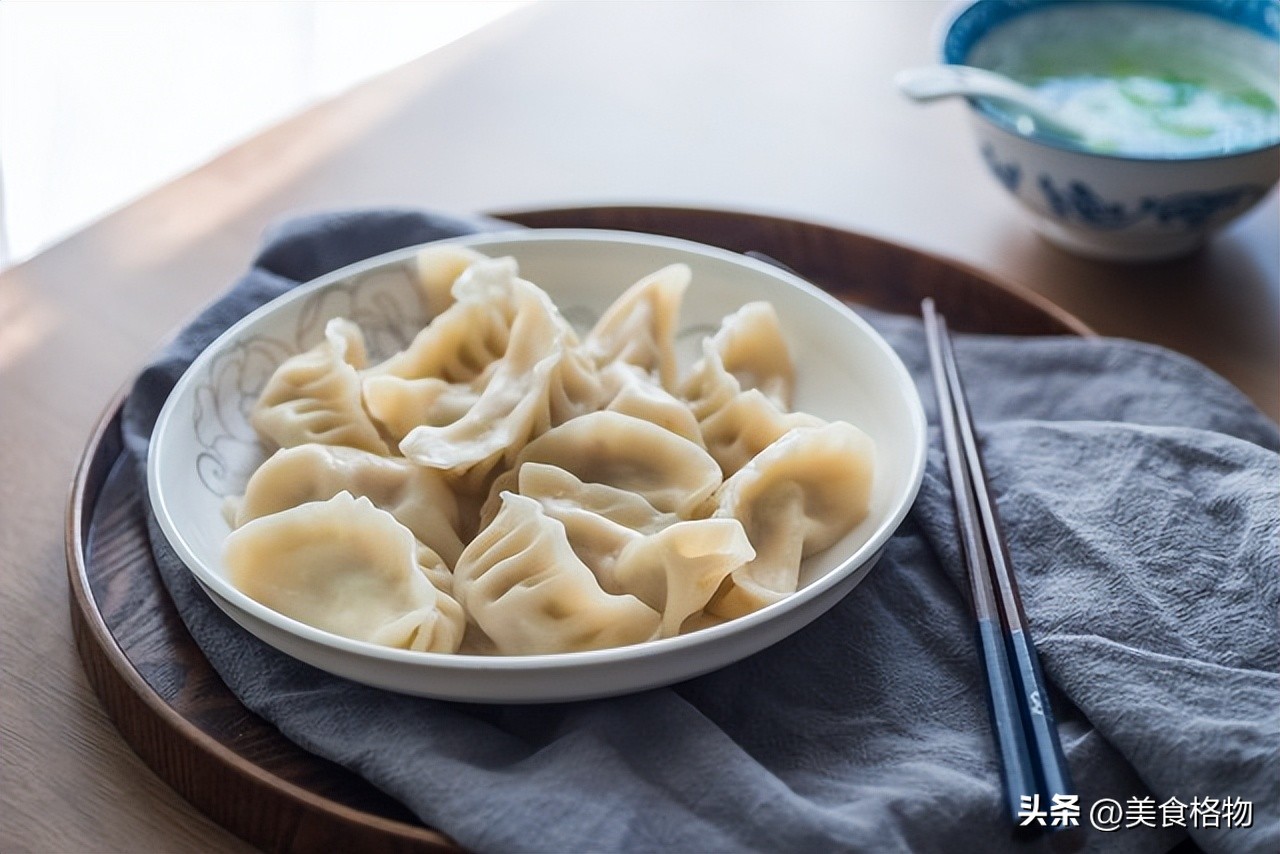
948,81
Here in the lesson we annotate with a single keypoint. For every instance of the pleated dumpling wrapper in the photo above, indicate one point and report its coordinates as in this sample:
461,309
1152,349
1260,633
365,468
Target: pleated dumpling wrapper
738,423
418,498
444,370
670,472
346,567
315,396
525,394
752,348
795,498
672,565
524,587
639,328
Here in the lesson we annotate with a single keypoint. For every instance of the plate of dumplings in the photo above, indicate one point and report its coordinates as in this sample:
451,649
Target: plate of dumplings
537,465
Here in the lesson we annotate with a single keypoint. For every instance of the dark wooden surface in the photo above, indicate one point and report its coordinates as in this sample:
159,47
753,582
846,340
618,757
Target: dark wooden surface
176,713
179,717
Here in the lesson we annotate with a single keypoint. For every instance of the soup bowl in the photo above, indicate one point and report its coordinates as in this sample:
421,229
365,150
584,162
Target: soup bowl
1179,100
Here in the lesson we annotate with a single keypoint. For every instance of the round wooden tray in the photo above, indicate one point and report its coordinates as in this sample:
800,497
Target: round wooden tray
178,716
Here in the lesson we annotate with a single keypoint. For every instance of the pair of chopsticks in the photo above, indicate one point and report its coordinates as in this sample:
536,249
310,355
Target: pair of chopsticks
1034,767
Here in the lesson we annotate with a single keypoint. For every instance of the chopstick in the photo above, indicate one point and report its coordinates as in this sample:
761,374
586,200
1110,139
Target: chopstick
1034,769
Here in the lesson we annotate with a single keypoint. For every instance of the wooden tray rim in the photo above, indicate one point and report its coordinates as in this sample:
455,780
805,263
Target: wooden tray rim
1015,291
86,615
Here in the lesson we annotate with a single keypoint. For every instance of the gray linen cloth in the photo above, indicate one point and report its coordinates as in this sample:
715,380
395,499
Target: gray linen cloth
1141,494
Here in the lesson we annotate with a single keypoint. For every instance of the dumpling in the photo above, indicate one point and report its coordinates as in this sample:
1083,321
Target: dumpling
673,566
461,341
515,405
398,404
671,473
347,567
500,327
418,498
753,350
562,494
576,386
745,426
628,453
677,570
445,369
439,266
599,520
527,591
797,497
632,391
639,328
735,424
315,396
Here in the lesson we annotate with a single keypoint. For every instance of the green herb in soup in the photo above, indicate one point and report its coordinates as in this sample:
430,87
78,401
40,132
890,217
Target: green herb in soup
1144,80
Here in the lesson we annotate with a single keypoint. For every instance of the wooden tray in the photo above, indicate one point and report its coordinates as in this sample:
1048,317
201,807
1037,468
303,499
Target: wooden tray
182,720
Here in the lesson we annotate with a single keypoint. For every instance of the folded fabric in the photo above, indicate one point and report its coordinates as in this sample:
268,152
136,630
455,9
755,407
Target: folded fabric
1141,497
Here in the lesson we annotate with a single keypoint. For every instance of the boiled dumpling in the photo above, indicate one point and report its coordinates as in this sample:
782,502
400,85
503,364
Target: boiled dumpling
677,570
347,567
527,591
797,497
600,520
398,405
315,396
671,473
575,388
442,373
671,565
752,349
639,327
439,266
745,426
418,498
633,391
515,405
555,487
450,366
735,424
472,332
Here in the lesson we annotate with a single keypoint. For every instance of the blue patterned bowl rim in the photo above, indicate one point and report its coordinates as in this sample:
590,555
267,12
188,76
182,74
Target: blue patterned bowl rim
973,20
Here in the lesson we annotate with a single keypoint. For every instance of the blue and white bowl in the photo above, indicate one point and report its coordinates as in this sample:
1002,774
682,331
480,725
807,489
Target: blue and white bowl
1121,207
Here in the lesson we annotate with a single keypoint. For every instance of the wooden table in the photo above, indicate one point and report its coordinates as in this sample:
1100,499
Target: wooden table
768,108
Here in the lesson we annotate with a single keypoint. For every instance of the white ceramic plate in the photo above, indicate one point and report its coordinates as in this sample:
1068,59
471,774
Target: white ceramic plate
204,450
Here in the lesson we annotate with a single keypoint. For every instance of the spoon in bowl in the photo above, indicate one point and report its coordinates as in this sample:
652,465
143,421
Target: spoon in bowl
948,81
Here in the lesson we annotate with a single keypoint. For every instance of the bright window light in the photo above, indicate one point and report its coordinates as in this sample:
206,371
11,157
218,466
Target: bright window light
102,101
